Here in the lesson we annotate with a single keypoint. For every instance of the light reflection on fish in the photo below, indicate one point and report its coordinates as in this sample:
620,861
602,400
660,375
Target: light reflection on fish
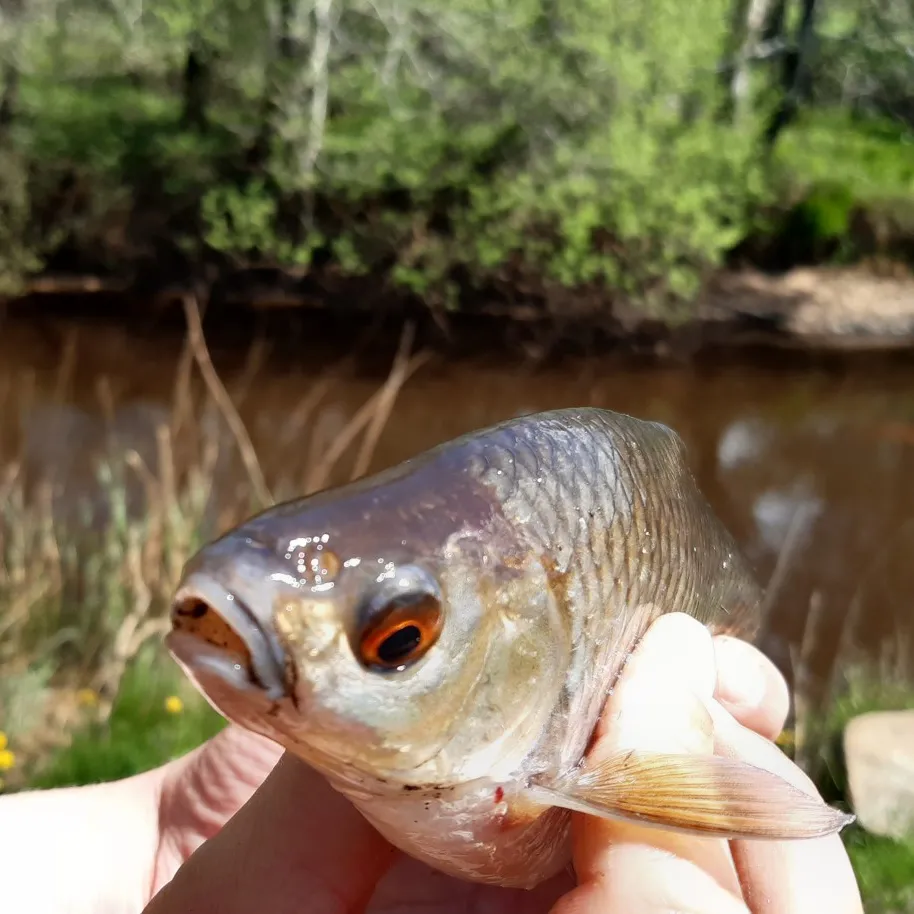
439,640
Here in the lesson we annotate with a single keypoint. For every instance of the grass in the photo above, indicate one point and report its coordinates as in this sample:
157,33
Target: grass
885,871
81,598
157,716
873,156
884,867
845,187
858,685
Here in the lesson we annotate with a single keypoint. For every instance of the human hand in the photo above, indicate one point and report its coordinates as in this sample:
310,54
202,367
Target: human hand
670,700
107,848
300,846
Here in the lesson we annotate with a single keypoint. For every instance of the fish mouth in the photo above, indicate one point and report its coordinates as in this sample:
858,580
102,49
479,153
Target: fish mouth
217,632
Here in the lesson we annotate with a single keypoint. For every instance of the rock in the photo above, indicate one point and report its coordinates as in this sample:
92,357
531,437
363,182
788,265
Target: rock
820,306
879,754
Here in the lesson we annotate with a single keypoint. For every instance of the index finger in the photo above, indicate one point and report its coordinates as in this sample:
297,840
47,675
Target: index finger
786,877
658,704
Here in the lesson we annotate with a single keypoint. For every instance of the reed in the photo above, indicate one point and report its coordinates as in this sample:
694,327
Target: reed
84,594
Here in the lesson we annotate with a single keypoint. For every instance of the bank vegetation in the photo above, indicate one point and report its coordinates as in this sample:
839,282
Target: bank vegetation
568,156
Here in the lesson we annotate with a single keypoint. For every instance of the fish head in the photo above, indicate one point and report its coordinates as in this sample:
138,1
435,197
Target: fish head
404,641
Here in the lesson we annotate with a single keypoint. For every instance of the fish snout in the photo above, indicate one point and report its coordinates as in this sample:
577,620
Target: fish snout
222,623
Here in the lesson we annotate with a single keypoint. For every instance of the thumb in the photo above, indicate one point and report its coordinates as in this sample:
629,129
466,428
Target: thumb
660,704
203,790
295,845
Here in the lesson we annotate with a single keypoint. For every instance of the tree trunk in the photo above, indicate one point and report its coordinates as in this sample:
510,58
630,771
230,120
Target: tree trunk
796,75
196,83
259,152
747,29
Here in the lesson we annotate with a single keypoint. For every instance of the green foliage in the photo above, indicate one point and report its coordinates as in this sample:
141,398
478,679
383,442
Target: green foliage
868,159
141,732
863,688
422,139
864,60
845,185
884,867
884,870
242,222
825,212
18,257
445,147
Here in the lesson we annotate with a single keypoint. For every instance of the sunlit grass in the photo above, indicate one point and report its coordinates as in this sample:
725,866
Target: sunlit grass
858,685
885,871
844,184
156,717
884,866
874,158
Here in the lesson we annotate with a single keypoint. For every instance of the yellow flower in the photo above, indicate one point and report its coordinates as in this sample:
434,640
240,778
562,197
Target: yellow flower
7,759
87,697
174,705
4,742
786,740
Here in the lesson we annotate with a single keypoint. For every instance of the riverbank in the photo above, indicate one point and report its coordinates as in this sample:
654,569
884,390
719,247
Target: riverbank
867,308
478,161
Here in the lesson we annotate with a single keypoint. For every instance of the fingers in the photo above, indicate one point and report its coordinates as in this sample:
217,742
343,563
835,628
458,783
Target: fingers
296,846
780,877
786,877
79,849
206,787
659,704
750,686
664,701
202,790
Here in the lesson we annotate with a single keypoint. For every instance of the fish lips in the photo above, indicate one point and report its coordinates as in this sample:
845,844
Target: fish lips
260,666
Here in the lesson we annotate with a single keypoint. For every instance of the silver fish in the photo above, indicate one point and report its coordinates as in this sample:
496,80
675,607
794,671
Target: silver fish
439,641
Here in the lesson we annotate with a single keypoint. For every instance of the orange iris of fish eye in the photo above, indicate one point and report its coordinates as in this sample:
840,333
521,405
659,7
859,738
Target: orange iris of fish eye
401,633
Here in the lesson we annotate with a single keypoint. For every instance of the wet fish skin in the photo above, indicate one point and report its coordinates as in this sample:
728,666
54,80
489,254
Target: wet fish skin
551,541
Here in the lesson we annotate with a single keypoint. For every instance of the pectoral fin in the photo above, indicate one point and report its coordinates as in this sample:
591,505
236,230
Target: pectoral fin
696,794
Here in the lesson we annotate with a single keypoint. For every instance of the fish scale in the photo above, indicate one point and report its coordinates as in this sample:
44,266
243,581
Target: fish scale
448,670
547,505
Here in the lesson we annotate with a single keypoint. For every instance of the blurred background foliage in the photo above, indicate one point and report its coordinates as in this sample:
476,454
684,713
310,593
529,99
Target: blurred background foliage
452,149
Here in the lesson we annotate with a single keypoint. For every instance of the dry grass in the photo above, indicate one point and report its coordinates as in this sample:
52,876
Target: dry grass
853,681
80,598
857,683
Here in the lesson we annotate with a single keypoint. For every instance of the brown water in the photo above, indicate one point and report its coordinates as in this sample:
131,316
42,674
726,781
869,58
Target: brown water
811,465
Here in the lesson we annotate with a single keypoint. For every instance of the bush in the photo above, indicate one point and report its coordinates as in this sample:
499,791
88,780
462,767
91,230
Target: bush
455,150
445,146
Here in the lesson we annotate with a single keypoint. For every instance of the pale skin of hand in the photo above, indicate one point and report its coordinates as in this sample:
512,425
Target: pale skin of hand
236,827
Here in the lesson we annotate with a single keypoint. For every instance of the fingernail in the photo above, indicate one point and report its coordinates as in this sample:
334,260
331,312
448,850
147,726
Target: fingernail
740,677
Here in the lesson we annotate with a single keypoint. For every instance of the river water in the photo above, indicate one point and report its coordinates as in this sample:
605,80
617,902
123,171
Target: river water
810,465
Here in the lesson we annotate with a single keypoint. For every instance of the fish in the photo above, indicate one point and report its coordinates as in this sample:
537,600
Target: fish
439,639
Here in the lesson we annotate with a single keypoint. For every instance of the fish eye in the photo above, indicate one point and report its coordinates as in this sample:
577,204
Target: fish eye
400,626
